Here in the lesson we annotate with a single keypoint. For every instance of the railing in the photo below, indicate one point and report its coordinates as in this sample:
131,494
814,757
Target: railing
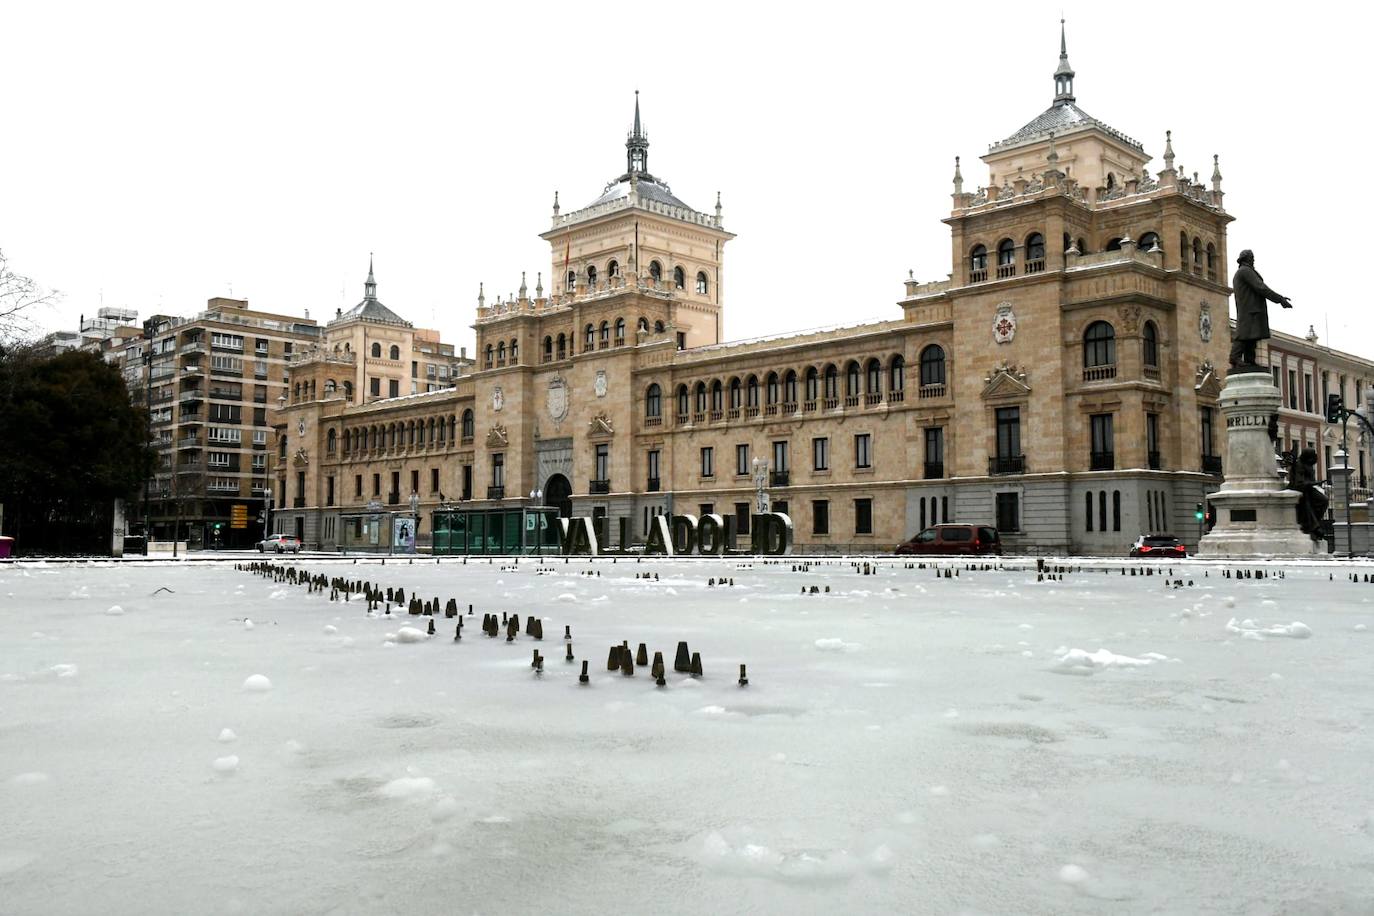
1102,461
191,394
779,478
935,470
898,395
851,400
873,398
717,416
831,403
1006,270
732,413
195,346
770,410
546,358
1099,373
465,440
978,275
188,442
750,413
808,406
653,485
932,391
1152,459
698,416
653,421
682,419
496,492
1151,372
789,407
1035,266
1211,464
1007,464
596,487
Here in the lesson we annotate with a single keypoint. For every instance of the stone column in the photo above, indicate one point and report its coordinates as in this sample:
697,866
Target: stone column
1256,514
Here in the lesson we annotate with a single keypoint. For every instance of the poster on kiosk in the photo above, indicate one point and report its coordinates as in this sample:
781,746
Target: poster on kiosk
403,533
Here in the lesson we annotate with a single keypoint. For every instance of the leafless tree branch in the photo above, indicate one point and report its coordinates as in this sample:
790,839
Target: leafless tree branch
19,297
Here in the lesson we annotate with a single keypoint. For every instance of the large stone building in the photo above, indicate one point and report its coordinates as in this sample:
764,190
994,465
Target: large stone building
1062,383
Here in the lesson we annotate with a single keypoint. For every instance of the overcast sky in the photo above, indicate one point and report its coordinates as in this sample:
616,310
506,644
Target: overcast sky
157,155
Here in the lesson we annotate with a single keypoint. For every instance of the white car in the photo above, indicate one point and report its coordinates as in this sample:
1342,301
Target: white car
280,543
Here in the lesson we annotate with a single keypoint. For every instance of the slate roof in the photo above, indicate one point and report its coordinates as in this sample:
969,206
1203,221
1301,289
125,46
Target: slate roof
648,187
372,310
1062,117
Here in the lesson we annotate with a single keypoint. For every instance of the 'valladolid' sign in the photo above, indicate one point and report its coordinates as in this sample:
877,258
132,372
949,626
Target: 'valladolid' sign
770,534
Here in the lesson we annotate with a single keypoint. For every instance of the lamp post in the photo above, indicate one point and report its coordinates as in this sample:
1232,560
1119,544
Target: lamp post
415,514
536,497
266,508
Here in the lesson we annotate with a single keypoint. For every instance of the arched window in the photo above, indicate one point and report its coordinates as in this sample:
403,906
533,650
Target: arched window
851,379
348,391
658,327
1197,254
1148,241
1111,181
789,387
832,382
605,333
548,347
1149,345
562,345
619,331
1006,258
331,442
395,352
1035,252
376,351
978,263
1082,247
1211,261
653,401
330,386
897,373
468,425
572,280
736,393
682,401
1183,250
655,271
501,353
1114,244
933,365
873,376
1068,241
813,384
643,324
491,352
717,397
1099,345
591,276
770,388
613,269
751,391
514,351
679,278
702,283
589,341
701,397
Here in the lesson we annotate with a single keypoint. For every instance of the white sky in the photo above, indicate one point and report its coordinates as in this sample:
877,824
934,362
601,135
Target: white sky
159,155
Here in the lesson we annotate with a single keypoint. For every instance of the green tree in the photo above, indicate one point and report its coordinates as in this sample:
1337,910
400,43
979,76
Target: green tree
73,442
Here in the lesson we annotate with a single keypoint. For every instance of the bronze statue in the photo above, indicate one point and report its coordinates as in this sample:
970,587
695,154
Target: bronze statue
1312,505
1252,312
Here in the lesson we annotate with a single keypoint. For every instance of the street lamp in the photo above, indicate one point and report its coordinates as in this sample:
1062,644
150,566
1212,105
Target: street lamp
266,508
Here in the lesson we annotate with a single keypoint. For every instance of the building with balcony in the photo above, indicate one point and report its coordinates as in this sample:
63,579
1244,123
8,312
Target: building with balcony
1062,383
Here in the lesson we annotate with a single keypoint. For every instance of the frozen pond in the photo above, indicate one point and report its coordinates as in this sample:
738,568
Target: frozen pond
908,743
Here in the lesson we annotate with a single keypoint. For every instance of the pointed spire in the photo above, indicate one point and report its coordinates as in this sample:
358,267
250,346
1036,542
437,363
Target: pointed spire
481,295
637,147
555,203
717,208
638,130
1168,151
524,293
370,287
958,177
1216,172
1063,75
539,285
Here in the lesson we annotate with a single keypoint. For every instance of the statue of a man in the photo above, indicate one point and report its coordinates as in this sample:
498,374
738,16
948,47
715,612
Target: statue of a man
1252,312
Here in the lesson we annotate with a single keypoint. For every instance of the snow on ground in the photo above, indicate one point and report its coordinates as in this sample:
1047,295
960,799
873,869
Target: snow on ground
907,742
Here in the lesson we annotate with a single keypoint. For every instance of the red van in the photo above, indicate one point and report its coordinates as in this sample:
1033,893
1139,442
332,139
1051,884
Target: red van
975,540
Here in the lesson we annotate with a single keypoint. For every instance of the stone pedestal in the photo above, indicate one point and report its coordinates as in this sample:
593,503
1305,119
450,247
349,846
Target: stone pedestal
1256,514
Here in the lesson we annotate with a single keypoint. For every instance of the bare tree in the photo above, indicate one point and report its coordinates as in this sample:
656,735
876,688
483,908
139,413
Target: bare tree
18,295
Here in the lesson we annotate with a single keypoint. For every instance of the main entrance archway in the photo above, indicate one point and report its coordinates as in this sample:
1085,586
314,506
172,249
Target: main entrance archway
558,493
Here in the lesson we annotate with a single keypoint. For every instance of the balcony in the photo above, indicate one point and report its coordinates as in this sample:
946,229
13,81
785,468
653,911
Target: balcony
194,346
789,407
189,442
598,487
1005,270
298,502
190,394
779,478
653,485
1007,464
653,421
1152,458
496,492
717,416
732,413
1211,464
932,391
935,470
1102,461
896,396
393,498
682,419
851,400
1151,373
831,403
751,412
873,399
809,406
1035,266
978,275
1099,373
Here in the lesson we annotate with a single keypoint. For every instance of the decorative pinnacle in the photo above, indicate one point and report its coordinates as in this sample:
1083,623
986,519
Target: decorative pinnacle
523,291
539,285
1168,150
958,177
481,295
1216,172
1052,157
1063,74
638,130
555,203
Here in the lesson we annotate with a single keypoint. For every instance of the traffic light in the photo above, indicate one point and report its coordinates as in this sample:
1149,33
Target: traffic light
1198,513
1333,408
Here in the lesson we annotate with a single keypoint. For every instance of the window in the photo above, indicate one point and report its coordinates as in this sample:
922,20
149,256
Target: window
932,365
589,337
619,331
395,352
832,382
1102,458
570,283
603,461
1116,510
851,379
467,481
820,516
978,263
1148,241
863,516
873,377
1035,252
1088,511
605,334
863,450
1152,440
375,386
591,276
935,452
708,462
1008,512
897,373
683,404
1149,341
468,424
653,401
679,278
376,484
376,351
742,517
780,457
358,485
820,454
1008,432
331,442
813,384
393,388
701,397
434,480
1307,391
702,284
741,459
706,509
1292,389
498,469
717,397
1099,345
655,271
752,392
771,388
1205,422
415,481
613,268
789,388
653,464
1006,258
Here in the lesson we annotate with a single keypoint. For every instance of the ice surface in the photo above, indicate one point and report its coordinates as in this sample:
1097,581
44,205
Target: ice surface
905,744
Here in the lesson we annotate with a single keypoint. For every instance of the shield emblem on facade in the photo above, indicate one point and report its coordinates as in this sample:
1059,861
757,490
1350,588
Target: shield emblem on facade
558,398
600,385
1004,324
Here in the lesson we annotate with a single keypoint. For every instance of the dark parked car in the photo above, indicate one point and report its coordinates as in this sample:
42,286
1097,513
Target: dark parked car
1158,545
954,539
